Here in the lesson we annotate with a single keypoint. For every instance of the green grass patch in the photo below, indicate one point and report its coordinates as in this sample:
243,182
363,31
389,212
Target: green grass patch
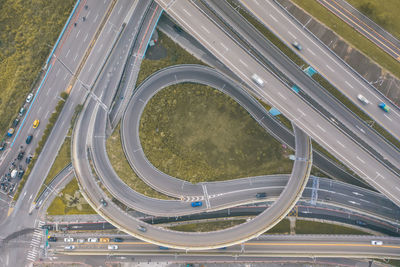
352,36
174,55
52,120
70,201
384,14
310,227
282,227
206,226
28,30
123,169
198,134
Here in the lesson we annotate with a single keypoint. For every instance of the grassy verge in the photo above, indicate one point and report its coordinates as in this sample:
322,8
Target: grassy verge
28,31
207,226
350,35
387,15
123,169
52,120
310,227
174,54
70,201
197,133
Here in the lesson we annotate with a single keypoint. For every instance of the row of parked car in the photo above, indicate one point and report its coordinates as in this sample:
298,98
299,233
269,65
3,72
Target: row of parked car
89,240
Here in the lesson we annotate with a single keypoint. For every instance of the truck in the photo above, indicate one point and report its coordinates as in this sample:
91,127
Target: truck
257,79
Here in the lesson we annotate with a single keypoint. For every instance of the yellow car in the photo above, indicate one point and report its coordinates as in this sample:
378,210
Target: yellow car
35,123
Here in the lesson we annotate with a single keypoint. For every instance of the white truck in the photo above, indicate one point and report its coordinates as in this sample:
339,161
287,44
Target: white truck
257,79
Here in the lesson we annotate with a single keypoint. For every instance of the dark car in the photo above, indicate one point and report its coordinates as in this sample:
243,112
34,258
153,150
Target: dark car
15,122
261,195
28,159
47,226
29,139
21,173
3,146
361,223
52,239
21,155
118,239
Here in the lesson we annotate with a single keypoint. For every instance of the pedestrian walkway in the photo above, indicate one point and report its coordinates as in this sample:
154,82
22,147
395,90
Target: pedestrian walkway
35,242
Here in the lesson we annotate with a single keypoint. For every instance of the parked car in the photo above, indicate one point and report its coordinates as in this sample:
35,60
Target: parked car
112,247
70,247
28,159
68,239
93,240
376,242
141,228
21,173
29,139
35,124
384,107
21,155
3,146
197,204
47,226
118,239
80,240
297,45
10,132
362,99
29,98
52,239
15,122
261,195
21,112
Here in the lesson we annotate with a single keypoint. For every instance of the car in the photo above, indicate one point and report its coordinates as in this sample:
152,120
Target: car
29,98
28,159
47,227
376,242
163,248
35,124
103,202
64,228
359,222
297,45
21,173
52,239
70,247
15,122
104,239
363,99
142,228
21,112
261,195
177,29
112,247
21,155
92,240
384,107
118,239
10,132
29,139
80,240
68,239
257,79
3,146
196,204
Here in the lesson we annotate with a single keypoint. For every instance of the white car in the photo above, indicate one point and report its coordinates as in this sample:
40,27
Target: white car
80,240
93,239
68,239
362,99
29,98
112,247
70,247
376,242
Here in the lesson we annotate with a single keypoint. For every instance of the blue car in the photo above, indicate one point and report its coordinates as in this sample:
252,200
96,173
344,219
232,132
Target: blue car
197,204
384,107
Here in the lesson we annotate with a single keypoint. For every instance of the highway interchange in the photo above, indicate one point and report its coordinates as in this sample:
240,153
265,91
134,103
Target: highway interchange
95,80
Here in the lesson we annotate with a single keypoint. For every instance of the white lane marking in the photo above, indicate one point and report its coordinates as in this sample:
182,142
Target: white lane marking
302,113
312,52
291,34
119,11
241,61
359,128
226,48
47,114
40,108
320,127
90,67
187,13
340,144
69,50
87,15
280,94
86,36
256,2
346,82
353,202
65,77
76,56
95,19
78,34
360,159
330,68
204,28
98,50
58,71
273,18
387,117
397,188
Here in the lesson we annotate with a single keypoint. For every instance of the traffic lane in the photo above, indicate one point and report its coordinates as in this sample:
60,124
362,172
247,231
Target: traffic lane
319,96
279,96
105,40
79,36
327,64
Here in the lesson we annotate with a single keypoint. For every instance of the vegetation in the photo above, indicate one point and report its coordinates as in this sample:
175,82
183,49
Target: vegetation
174,55
123,169
198,134
352,36
28,30
52,120
70,201
386,15
206,226
316,228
